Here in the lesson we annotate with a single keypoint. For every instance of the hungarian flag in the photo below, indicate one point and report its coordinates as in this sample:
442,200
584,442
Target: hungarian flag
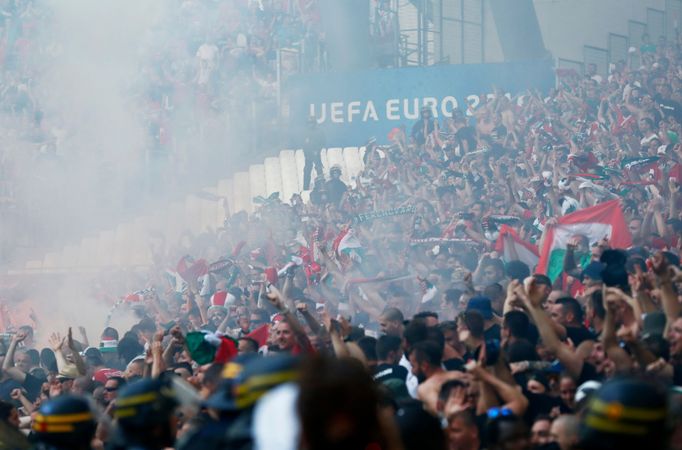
205,348
191,270
347,243
512,247
594,224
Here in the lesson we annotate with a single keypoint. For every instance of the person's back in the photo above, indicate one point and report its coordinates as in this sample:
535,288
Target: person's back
335,190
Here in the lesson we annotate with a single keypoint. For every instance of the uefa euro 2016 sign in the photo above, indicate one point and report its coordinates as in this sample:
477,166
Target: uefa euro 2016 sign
351,107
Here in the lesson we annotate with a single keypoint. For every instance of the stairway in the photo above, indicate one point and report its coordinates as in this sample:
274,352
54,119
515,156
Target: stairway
127,245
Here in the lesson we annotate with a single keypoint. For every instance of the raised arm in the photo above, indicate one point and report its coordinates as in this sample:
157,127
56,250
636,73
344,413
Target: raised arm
571,361
510,395
8,364
671,306
279,301
619,356
77,358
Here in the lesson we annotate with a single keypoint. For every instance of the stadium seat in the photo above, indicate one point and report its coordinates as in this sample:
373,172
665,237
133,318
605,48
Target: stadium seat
273,177
289,174
125,245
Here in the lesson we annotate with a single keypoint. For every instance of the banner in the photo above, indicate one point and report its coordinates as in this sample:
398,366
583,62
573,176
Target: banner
591,225
350,107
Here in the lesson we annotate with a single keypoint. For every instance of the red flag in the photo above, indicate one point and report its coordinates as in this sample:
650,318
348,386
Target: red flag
226,351
260,334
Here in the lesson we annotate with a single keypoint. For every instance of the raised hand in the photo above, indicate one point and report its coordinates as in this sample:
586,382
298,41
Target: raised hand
56,342
275,297
660,267
458,401
522,294
326,321
69,339
20,336
535,292
16,394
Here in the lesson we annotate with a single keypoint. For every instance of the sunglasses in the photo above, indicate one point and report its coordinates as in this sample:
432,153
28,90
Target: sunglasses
111,389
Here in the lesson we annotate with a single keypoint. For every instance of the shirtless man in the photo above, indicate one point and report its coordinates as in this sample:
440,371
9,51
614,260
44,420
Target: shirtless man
425,358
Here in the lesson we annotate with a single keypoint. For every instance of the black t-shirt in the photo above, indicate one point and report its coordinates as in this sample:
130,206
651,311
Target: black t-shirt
539,404
33,385
669,107
579,334
335,190
454,364
468,135
418,130
390,371
587,373
493,333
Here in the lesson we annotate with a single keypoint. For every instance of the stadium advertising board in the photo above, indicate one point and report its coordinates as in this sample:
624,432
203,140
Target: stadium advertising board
353,106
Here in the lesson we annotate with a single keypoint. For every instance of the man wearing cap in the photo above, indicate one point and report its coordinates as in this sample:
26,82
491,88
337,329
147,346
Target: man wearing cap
483,305
216,315
108,347
591,274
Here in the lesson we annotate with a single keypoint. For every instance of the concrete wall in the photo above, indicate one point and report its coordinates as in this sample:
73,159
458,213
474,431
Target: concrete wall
569,25
492,50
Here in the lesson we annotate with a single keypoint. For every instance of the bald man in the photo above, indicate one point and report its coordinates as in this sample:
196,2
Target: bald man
564,431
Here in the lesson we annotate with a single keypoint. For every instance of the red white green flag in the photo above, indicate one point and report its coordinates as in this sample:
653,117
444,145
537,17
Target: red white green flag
510,245
594,224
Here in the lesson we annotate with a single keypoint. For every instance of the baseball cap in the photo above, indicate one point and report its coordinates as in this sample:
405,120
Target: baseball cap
482,305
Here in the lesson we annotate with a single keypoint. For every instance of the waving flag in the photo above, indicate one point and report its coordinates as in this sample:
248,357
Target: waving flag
205,347
595,223
512,247
260,334
347,243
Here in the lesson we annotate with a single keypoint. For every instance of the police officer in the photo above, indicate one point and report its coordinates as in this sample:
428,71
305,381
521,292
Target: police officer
245,380
145,414
219,413
626,413
66,422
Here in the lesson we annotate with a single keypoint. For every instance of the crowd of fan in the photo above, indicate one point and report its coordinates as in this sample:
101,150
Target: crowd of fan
380,315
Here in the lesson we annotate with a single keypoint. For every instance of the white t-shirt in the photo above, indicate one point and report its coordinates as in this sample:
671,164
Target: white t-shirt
411,381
